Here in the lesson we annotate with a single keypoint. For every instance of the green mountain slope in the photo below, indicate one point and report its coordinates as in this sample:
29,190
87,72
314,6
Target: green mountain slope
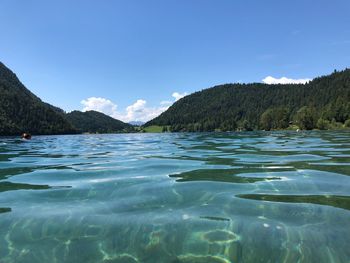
22,111
96,122
321,103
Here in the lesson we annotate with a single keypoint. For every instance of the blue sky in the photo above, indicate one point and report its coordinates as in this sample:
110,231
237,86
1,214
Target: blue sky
136,54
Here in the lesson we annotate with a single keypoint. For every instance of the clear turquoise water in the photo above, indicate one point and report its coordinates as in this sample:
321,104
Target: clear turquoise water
240,197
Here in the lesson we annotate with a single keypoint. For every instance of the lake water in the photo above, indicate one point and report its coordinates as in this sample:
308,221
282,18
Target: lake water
201,197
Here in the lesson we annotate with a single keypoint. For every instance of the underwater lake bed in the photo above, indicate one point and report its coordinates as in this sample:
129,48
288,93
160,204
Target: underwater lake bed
176,197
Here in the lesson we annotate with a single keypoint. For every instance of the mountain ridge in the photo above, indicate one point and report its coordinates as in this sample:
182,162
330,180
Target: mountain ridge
97,122
322,103
241,106
22,111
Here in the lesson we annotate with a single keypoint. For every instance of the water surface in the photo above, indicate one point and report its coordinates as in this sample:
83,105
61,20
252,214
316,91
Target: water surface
200,197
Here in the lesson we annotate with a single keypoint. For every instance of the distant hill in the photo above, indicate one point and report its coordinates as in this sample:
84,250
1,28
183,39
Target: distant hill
97,122
22,111
322,103
137,123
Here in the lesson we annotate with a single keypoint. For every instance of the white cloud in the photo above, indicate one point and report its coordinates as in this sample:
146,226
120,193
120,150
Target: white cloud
138,111
284,80
178,96
99,104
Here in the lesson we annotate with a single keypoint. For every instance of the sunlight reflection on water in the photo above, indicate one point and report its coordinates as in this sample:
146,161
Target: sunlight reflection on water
187,197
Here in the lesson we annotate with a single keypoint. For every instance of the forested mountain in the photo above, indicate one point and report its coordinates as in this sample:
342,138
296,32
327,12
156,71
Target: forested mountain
96,122
22,111
322,103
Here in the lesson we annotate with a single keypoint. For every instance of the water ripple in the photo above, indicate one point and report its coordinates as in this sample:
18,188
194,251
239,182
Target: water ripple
187,197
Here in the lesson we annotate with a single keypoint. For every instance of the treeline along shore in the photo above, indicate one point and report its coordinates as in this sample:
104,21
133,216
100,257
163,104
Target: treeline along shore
323,103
